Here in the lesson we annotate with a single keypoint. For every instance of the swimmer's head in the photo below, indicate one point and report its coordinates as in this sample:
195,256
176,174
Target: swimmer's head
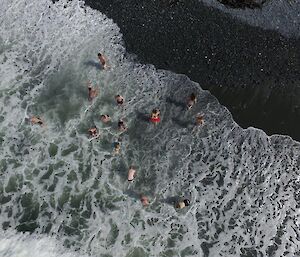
186,202
93,129
99,54
193,96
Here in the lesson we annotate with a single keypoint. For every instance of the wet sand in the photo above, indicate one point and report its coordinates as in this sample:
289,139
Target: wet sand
255,73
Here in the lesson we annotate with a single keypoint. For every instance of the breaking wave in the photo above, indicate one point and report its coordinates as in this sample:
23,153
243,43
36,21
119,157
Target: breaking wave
70,192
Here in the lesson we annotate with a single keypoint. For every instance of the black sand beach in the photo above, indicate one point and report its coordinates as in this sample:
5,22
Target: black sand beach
255,73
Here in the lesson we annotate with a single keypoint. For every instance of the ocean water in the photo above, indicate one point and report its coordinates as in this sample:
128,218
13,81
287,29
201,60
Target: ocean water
278,15
62,194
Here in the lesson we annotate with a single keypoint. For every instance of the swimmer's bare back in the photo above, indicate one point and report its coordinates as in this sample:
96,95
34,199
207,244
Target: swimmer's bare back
94,134
182,204
36,121
145,201
105,118
92,91
103,62
199,119
131,174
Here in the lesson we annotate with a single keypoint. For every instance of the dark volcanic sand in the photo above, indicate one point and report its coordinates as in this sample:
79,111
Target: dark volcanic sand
253,72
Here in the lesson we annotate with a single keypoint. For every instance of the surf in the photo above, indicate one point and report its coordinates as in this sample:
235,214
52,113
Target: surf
58,185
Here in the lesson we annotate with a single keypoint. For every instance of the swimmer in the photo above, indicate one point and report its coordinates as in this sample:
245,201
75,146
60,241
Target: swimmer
36,120
144,200
117,148
121,125
182,204
105,118
93,92
155,116
199,119
131,173
191,101
93,132
102,61
119,99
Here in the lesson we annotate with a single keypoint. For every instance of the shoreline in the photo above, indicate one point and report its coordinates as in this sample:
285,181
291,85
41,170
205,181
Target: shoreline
255,73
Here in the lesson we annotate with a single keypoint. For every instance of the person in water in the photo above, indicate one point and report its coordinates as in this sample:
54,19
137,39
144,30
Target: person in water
182,204
119,99
93,92
36,120
199,119
144,200
117,148
102,61
93,132
191,101
121,125
131,173
155,116
105,118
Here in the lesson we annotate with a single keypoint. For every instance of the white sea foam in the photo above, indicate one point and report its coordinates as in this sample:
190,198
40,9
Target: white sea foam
243,185
14,244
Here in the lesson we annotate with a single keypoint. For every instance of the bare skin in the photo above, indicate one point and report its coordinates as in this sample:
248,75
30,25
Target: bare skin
131,173
93,132
191,101
117,148
199,119
105,118
121,125
35,120
155,114
102,61
119,99
144,200
182,204
92,91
